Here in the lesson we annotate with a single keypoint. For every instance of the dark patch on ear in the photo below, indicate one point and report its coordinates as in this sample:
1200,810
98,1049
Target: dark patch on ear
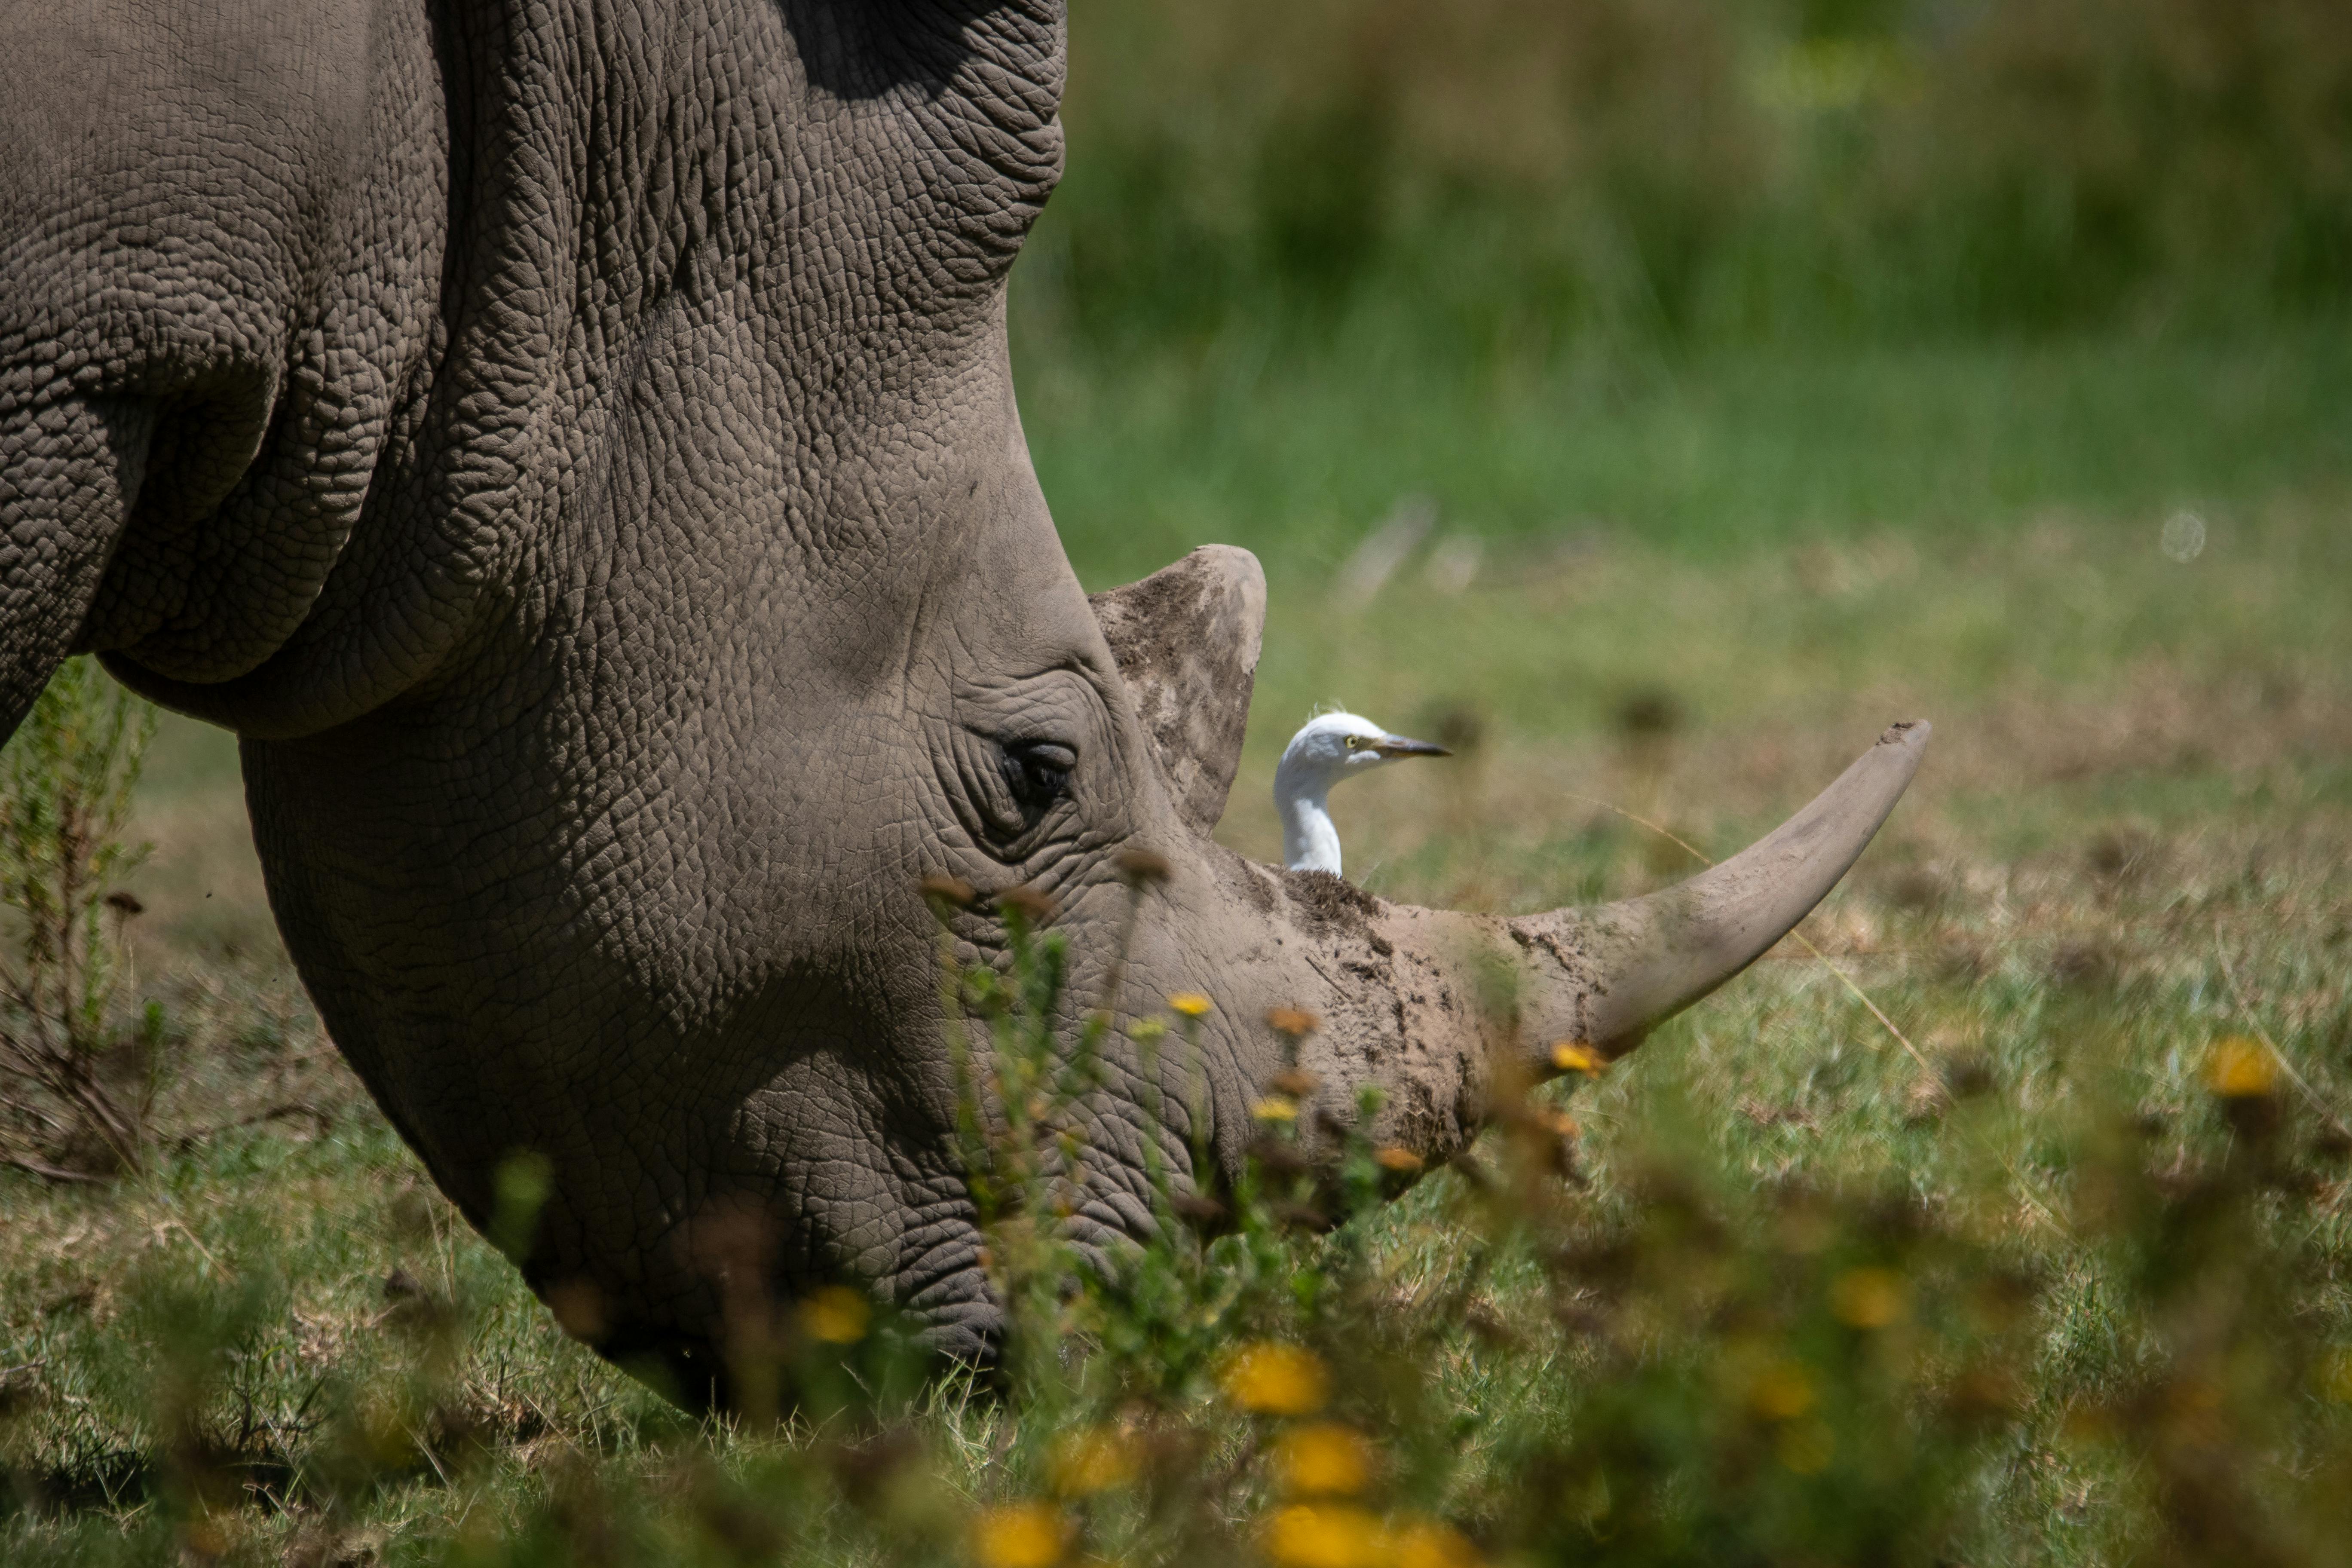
1186,639
1255,882
1330,905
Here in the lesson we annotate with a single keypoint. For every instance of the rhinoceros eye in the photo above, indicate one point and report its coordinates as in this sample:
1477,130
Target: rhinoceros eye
1037,774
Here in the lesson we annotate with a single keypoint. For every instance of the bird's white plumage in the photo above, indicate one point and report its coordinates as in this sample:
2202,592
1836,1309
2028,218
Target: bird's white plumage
1330,747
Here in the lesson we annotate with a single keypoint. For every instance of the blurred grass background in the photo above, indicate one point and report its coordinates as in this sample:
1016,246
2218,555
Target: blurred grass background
1651,398
1756,365
1707,273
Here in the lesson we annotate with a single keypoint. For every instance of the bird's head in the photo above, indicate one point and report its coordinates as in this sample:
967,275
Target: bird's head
1334,746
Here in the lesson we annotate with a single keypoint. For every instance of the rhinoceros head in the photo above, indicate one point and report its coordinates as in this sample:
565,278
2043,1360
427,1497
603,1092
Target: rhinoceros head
574,446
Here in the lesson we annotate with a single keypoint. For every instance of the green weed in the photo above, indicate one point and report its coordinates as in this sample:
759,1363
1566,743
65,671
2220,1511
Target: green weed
76,1085
1746,426
2072,1292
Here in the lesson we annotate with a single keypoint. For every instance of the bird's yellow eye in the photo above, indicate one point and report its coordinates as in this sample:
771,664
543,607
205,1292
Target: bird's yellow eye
1354,741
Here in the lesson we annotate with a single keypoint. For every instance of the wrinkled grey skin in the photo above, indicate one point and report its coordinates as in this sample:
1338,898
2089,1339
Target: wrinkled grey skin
572,444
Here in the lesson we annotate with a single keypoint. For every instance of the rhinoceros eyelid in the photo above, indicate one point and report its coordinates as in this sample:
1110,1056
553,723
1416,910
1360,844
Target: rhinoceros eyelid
1045,754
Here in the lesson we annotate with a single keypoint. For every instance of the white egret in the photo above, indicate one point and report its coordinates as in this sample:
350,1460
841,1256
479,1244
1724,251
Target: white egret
1333,746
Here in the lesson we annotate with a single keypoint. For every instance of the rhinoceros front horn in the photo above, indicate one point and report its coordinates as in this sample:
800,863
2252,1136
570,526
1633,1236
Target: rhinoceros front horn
1606,976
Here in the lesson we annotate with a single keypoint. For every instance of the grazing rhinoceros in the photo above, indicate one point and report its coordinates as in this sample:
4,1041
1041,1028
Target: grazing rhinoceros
572,444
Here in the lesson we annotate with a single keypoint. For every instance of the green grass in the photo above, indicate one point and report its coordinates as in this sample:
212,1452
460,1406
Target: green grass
2118,1296
1300,451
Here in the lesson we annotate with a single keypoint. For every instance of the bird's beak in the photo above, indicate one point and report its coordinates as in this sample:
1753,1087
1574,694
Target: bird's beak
1397,746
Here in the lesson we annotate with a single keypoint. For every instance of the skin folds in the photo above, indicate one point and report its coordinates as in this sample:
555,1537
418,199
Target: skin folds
573,445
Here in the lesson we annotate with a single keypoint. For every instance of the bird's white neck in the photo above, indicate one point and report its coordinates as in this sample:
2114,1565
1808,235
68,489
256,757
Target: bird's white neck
1310,841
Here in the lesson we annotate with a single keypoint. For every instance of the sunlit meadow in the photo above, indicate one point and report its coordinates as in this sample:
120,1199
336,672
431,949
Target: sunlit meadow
2001,1219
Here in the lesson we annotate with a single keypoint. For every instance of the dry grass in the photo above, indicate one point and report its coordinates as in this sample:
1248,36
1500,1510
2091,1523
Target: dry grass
2131,838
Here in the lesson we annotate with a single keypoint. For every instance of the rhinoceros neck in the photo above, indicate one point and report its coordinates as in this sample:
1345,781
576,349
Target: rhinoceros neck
560,327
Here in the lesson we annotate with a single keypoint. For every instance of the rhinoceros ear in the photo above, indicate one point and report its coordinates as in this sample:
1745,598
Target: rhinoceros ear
1186,638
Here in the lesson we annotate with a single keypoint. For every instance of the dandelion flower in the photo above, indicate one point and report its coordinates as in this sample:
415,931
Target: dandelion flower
1323,1457
836,1315
1568,1056
1292,1022
1033,904
1142,865
1274,1107
1019,1535
1404,1162
1869,1298
1425,1545
1094,1460
954,890
207,1541
1325,1535
1278,1379
1781,1392
1192,1004
2239,1069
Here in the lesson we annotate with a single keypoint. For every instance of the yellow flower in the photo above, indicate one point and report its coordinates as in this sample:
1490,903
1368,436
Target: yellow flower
1425,1545
1323,1457
1325,1535
1142,865
1869,1298
1274,1107
1806,1446
1192,1004
1094,1460
1569,1057
1019,1535
1278,1379
837,1315
205,1538
1403,1161
1292,1022
2239,1069
1781,1392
